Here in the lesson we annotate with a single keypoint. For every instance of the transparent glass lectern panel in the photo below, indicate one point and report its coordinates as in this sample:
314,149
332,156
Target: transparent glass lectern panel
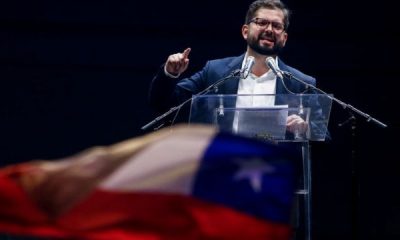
267,119
251,122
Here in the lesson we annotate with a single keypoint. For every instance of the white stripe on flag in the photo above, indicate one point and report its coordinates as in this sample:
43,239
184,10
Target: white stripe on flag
167,165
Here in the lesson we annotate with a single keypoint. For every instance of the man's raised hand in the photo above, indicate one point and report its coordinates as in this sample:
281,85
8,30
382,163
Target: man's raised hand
177,63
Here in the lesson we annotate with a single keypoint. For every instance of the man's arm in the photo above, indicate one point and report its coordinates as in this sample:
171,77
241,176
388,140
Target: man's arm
163,84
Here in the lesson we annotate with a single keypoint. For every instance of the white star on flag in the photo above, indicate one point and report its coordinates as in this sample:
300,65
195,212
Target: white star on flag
253,170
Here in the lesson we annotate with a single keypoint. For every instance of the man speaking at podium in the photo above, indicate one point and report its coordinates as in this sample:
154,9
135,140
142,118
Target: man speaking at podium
265,31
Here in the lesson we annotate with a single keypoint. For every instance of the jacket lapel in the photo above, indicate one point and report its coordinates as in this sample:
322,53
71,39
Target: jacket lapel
280,89
231,85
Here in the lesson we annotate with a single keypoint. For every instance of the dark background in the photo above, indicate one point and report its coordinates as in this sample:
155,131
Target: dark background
75,74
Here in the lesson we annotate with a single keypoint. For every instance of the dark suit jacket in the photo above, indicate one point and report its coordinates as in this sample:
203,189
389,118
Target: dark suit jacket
166,92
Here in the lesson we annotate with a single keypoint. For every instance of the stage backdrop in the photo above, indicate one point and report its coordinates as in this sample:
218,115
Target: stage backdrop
75,74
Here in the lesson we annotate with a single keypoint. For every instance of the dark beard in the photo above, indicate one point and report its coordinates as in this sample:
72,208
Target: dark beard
275,50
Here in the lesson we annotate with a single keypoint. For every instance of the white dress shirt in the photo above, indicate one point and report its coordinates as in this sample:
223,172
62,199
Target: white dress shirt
265,84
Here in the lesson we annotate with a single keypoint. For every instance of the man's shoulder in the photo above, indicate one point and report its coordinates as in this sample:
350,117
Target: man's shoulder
227,60
222,66
297,73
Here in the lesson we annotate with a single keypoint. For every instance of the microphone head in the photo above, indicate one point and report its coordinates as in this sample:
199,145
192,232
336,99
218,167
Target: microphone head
272,65
247,66
270,62
250,59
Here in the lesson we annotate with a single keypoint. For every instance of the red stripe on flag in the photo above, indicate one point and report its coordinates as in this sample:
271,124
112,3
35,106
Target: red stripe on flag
19,214
104,214
126,216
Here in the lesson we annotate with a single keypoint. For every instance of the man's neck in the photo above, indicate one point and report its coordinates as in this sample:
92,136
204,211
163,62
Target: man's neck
260,67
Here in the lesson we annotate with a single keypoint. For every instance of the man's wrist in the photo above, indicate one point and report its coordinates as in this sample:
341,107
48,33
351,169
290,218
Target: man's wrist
169,74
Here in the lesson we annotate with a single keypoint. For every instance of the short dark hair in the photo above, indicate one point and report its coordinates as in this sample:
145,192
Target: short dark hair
269,4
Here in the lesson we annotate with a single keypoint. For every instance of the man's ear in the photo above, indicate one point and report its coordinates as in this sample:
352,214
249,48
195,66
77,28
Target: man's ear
245,31
285,37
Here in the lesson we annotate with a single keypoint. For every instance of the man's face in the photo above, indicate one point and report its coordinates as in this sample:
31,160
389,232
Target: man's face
265,34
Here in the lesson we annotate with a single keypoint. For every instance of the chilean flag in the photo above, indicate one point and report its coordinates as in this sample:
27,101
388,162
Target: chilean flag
188,182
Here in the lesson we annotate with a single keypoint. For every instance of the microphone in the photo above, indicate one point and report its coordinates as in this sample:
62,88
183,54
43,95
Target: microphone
221,107
271,64
244,72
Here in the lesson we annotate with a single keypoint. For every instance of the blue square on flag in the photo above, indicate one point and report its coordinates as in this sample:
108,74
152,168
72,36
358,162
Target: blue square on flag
250,176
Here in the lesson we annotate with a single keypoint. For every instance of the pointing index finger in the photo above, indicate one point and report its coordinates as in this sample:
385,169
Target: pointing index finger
186,53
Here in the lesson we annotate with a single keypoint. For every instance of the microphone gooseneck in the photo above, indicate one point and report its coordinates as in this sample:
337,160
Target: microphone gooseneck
270,61
233,74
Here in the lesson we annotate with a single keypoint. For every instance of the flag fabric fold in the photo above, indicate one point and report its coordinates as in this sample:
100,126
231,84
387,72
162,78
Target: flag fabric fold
188,182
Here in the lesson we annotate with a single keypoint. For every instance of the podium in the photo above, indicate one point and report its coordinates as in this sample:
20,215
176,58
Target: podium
266,120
